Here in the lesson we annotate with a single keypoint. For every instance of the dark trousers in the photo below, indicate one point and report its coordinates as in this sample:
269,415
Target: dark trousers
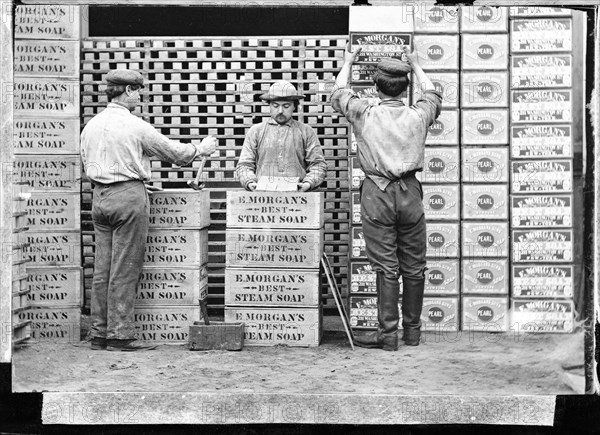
396,244
120,213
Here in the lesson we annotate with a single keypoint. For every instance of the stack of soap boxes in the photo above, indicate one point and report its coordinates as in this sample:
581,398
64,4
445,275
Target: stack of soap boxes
272,278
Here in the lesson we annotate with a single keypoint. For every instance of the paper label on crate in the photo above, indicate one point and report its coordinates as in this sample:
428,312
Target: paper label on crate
165,324
444,130
483,19
543,316
441,165
46,58
180,209
485,201
484,89
555,176
441,202
44,173
53,286
53,211
357,175
485,127
484,52
529,141
542,211
274,248
376,46
437,52
44,96
271,287
272,326
179,247
366,92
442,240
441,277
356,213
541,71
274,209
541,106
541,34
174,286
439,314
485,313
485,165
358,247
535,11
542,245
485,276
362,278
52,248
353,141
363,312
488,239
46,136
431,18
543,281
446,84
56,323
47,22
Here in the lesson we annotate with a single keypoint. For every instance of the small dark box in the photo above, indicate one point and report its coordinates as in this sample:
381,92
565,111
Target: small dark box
216,336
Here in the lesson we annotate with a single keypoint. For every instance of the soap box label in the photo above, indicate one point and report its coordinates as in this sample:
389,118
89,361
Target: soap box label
174,286
355,204
439,314
179,247
46,136
536,11
541,106
485,127
56,248
43,173
54,286
46,58
358,247
543,316
437,52
488,89
485,276
441,202
180,209
376,46
541,70
488,314
363,312
485,165
541,35
541,141
483,19
45,96
441,165
446,83
541,211
542,281
485,239
357,176
554,176
431,18
47,22
167,324
442,240
485,201
444,130
545,245
53,211
61,324
442,278
485,52
362,277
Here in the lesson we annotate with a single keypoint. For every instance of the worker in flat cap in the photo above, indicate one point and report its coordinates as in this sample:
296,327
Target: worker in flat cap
281,146
391,142
116,147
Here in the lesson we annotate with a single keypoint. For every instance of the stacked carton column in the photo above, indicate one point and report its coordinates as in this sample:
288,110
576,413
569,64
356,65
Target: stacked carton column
437,43
541,152
174,277
46,142
380,32
274,245
484,160
21,329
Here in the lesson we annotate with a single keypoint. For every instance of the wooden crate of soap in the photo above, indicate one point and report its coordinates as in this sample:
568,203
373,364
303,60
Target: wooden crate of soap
56,211
54,286
296,327
543,316
180,208
485,313
301,210
172,286
165,324
57,248
179,247
54,324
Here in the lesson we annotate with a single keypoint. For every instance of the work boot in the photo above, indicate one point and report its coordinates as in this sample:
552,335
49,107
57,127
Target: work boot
412,305
98,343
376,340
128,345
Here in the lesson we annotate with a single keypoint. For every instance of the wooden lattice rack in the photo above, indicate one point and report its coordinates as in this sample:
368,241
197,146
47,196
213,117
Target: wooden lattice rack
210,86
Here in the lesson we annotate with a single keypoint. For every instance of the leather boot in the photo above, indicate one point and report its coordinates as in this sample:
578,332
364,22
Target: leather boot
412,305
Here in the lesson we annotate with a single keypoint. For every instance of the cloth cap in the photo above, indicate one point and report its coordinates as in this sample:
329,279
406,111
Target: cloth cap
394,67
124,77
282,90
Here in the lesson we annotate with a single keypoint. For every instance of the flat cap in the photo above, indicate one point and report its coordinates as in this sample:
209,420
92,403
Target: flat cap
124,77
281,90
394,67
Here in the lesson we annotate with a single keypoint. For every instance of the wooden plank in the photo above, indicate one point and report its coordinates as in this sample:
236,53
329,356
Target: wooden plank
275,209
47,58
294,327
176,247
46,136
274,248
172,286
272,287
180,208
51,21
54,286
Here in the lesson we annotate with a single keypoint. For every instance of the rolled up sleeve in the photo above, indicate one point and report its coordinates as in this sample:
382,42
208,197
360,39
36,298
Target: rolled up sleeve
158,145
